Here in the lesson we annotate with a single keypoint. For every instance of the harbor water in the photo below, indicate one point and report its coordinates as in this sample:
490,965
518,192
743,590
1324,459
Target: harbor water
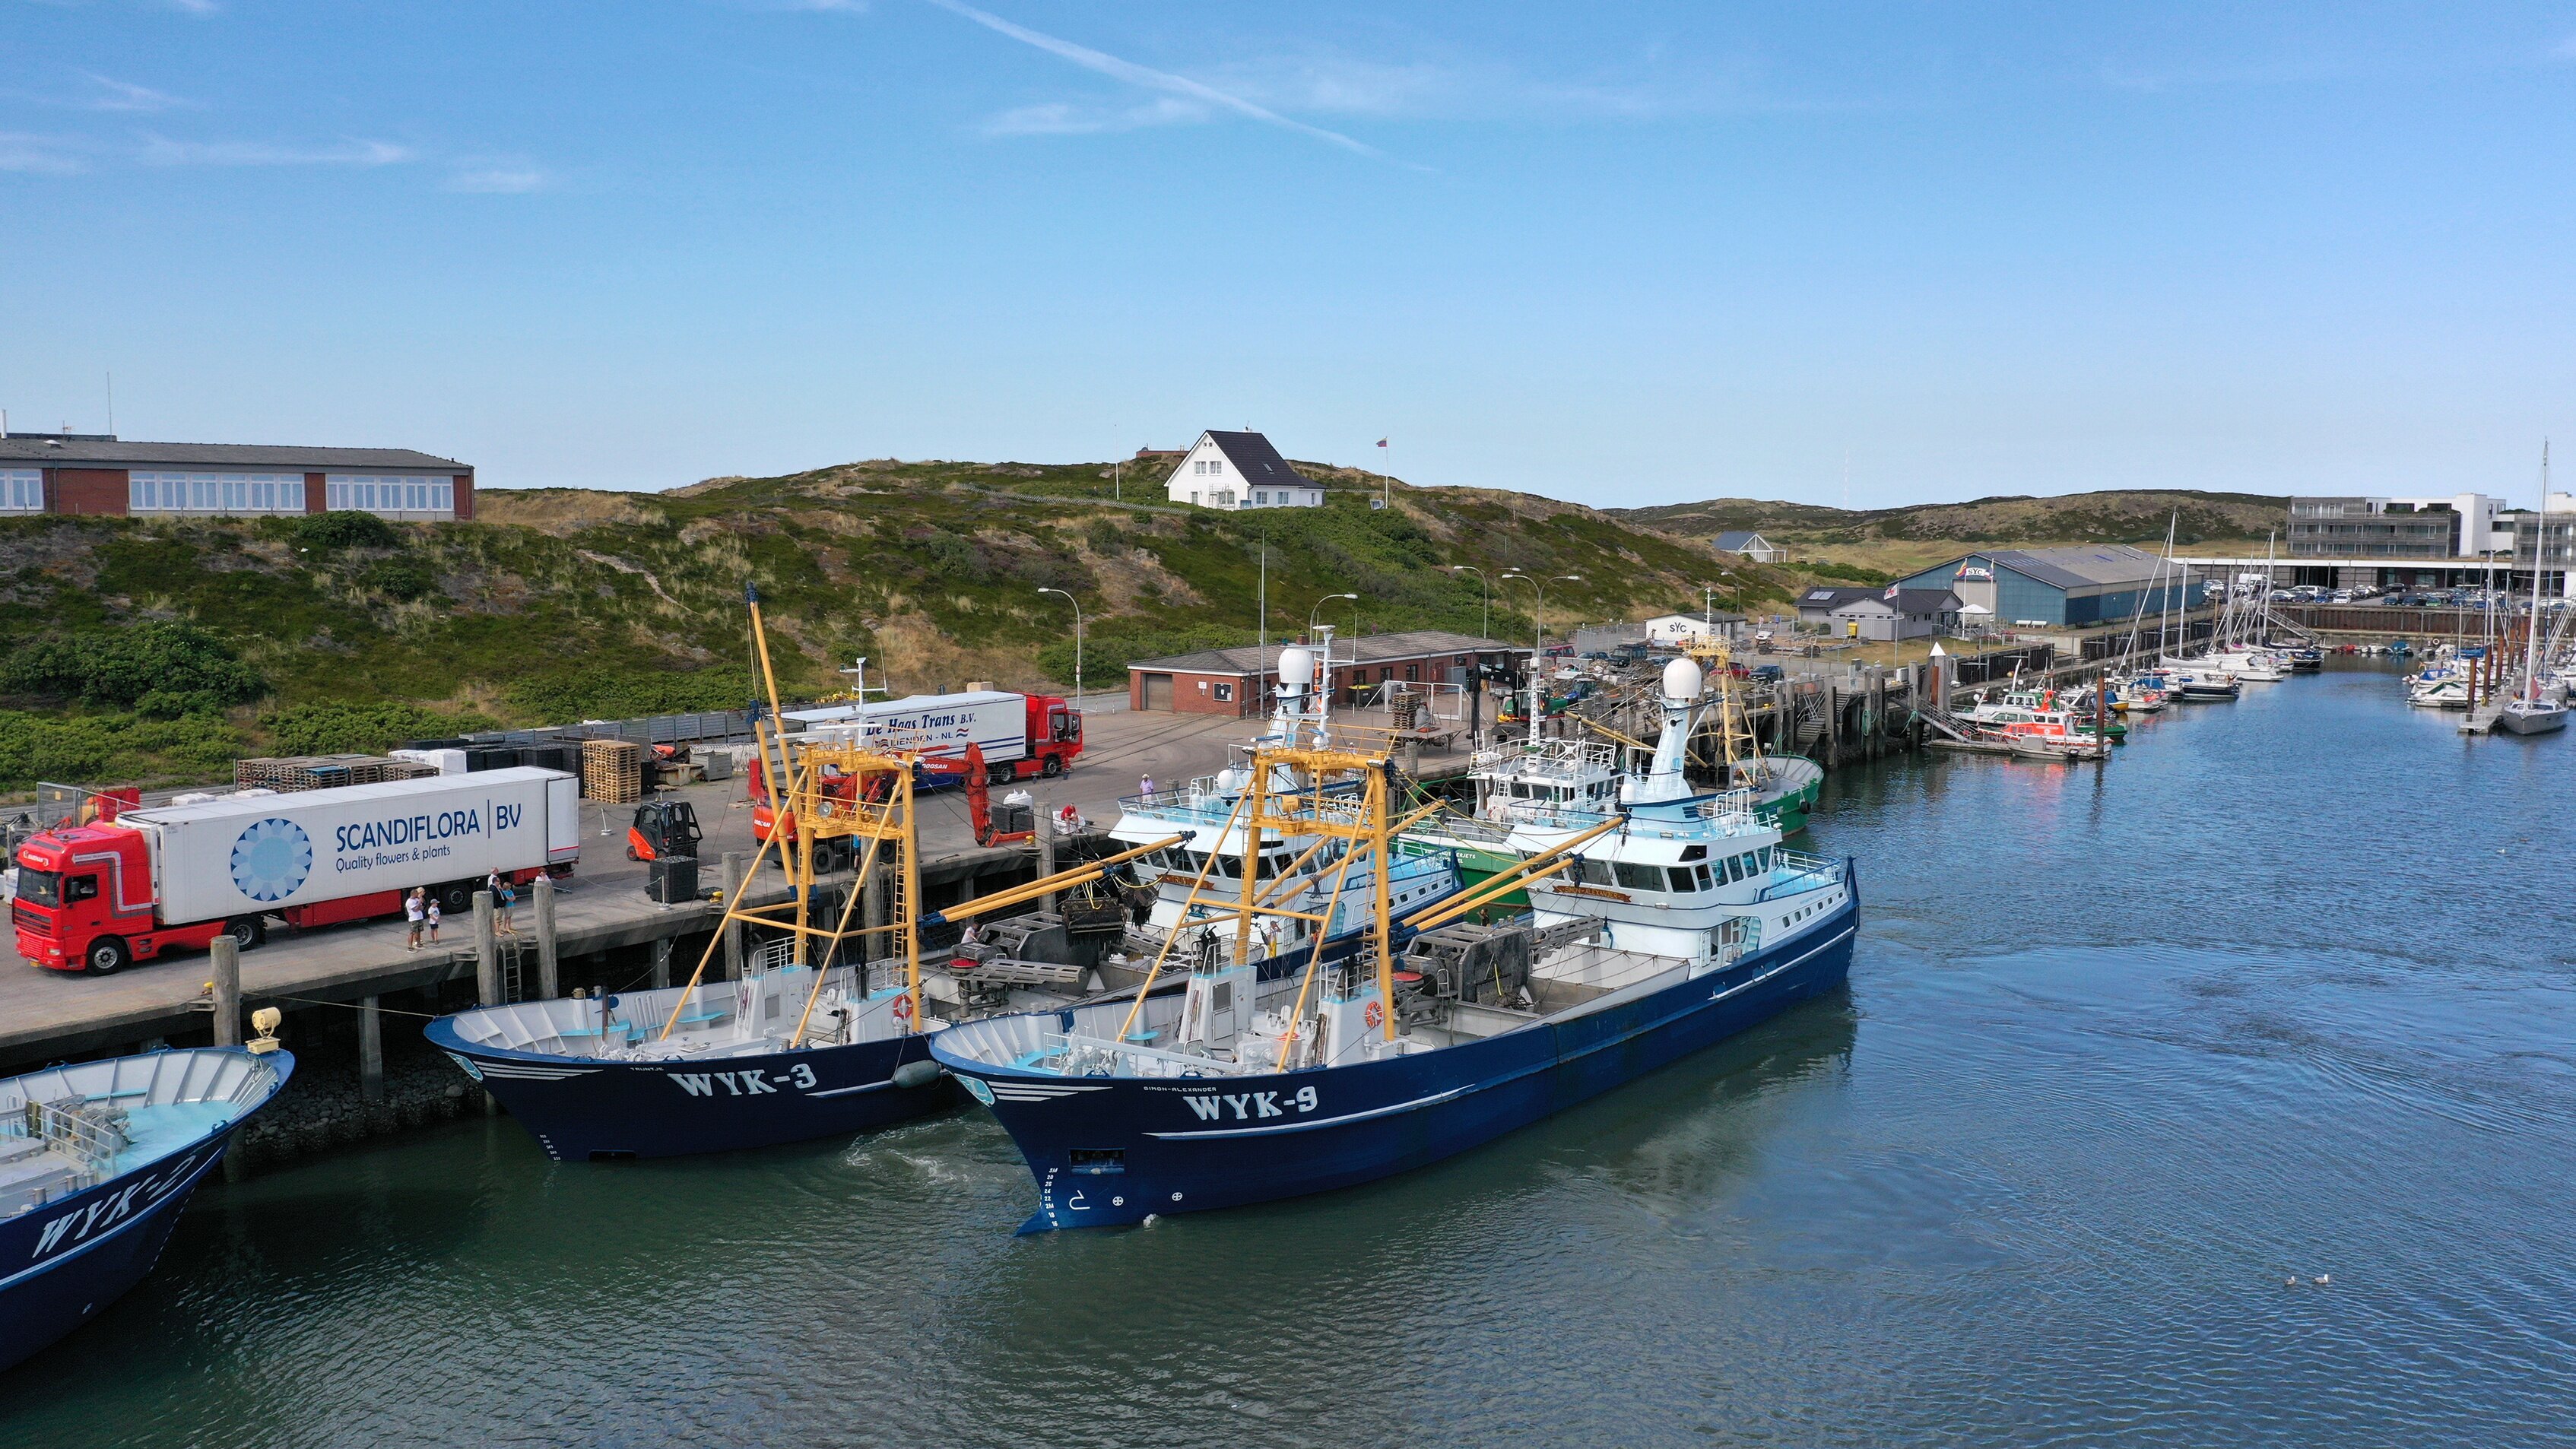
2221,1094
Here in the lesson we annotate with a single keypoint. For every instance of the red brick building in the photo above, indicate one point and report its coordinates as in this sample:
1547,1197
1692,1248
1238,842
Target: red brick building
94,473
1239,681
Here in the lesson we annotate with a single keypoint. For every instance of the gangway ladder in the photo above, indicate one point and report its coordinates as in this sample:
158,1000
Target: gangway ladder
511,953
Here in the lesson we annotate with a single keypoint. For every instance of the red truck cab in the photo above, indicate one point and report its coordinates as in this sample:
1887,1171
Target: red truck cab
84,903
1055,737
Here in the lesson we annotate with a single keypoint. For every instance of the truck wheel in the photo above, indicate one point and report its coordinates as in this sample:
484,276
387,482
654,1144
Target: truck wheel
108,955
1053,767
246,931
456,898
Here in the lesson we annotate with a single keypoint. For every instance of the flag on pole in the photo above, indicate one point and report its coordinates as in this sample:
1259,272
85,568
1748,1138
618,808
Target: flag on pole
1381,442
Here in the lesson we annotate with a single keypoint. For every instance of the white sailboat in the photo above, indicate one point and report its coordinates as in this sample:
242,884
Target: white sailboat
2535,709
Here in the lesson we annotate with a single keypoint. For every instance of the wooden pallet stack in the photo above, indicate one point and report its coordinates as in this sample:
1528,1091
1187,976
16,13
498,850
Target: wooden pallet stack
612,771
324,772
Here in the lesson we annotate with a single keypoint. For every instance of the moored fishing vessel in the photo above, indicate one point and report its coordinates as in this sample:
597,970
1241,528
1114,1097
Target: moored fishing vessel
812,1040
1194,829
1658,929
96,1161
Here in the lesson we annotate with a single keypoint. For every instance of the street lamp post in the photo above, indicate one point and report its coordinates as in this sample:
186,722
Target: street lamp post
1539,586
1319,608
1077,642
1484,587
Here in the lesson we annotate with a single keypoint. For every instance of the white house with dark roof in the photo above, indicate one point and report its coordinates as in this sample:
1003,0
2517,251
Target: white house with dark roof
1749,544
1235,471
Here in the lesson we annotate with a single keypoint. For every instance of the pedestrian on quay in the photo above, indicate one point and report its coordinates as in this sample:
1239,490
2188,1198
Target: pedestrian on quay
415,910
1145,787
509,897
432,914
501,897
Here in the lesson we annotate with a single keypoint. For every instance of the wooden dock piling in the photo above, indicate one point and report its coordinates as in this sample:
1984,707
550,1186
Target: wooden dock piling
549,977
487,953
733,868
228,1017
371,1051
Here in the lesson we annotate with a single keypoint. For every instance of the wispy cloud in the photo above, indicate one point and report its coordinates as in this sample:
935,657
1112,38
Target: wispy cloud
40,155
195,7
498,180
162,151
117,95
1147,78
1058,118
1324,81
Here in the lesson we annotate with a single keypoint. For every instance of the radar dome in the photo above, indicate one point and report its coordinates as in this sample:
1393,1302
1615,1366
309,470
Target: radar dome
1682,680
1296,666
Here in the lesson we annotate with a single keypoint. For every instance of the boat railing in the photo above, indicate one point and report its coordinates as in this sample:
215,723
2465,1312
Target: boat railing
1556,817
1557,756
1077,1055
1719,806
1466,827
1807,873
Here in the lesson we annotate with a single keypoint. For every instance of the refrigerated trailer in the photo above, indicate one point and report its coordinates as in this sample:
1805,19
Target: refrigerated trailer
1021,736
96,897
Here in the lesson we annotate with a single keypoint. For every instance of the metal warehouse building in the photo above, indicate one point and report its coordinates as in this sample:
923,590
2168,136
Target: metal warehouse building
2066,588
1238,681
97,474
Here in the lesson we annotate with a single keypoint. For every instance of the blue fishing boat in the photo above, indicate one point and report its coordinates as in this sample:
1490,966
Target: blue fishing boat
96,1160
1655,930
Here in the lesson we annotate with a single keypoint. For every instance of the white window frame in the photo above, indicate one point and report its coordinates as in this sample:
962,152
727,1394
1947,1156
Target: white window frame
391,495
170,491
22,490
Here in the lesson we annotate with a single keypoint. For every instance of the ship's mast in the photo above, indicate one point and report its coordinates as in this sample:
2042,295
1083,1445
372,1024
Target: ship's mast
2539,555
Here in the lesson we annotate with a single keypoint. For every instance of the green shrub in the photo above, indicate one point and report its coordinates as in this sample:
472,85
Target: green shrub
606,693
404,577
333,729
161,668
108,749
345,529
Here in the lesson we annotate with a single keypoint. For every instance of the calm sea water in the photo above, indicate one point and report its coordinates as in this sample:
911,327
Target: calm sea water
2285,991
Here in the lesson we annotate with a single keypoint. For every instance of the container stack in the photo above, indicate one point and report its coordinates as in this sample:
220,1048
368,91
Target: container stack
612,771
323,772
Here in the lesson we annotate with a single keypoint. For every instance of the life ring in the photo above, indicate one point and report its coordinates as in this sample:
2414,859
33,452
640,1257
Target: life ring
903,1007
1374,1015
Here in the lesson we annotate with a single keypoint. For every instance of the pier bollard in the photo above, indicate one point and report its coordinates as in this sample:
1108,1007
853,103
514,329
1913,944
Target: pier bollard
549,977
661,962
733,866
487,953
371,1051
227,956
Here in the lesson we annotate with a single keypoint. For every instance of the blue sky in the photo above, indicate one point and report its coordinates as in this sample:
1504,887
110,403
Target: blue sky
1626,253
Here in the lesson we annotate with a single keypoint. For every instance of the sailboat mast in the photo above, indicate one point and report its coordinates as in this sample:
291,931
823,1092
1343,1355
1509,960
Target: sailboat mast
2539,553
2164,651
